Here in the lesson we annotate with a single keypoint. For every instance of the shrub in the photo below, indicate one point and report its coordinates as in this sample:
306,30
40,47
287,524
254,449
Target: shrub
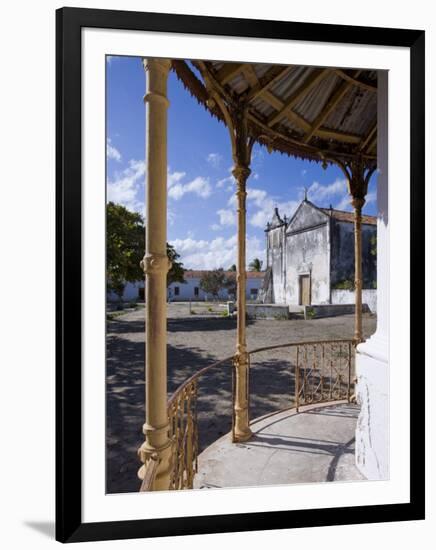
310,313
346,284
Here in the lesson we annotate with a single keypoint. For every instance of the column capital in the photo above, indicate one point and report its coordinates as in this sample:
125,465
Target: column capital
241,173
357,202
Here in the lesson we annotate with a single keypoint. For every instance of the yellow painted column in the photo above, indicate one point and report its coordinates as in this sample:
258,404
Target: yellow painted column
241,428
357,203
157,445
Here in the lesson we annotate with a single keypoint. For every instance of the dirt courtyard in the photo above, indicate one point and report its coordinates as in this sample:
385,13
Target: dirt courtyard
195,341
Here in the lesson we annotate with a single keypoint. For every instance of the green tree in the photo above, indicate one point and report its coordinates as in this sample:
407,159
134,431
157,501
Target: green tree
232,267
177,272
213,281
125,236
125,233
230,284
255,265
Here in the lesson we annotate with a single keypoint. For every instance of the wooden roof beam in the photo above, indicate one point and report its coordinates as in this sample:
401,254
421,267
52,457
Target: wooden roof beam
372,145
228,72
316,76
369,138
323,133
250,75
267,81
355,81
337,96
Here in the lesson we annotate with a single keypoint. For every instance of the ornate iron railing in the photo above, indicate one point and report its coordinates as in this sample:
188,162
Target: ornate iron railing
184,431
320,371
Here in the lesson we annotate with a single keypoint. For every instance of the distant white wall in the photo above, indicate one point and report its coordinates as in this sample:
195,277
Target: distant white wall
277,261
369,297
130,294
307,254
186,292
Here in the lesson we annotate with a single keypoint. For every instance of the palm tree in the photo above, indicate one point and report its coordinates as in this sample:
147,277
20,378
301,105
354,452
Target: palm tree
255,265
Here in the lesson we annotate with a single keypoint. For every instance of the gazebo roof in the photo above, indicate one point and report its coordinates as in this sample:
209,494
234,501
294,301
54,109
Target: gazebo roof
316,113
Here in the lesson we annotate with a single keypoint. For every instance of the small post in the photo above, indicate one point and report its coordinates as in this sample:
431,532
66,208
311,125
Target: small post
357,203
349,373
357,174
242,431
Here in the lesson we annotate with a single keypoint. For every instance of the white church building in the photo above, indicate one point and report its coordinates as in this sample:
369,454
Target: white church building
310,258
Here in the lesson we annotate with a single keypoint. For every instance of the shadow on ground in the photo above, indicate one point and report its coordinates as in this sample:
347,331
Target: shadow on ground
193,344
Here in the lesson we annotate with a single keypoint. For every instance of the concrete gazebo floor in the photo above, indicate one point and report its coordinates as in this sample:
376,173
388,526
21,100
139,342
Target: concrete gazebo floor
312,446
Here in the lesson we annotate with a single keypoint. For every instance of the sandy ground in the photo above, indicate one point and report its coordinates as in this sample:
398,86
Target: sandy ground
195,341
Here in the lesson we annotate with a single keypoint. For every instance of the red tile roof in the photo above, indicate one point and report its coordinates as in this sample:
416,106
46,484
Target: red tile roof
192,273
348,216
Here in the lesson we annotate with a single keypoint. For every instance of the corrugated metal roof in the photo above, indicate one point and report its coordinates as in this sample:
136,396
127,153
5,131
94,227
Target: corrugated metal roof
339,132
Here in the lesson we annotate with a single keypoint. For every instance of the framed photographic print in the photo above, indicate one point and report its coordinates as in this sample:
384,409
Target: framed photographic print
240,274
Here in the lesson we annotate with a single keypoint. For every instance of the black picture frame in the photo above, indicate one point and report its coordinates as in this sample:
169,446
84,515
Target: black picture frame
69,22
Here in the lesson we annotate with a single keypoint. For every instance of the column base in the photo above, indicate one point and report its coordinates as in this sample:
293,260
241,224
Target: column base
372,390
242,436
163,455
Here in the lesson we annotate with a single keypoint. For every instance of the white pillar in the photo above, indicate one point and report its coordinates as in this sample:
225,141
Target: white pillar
372,358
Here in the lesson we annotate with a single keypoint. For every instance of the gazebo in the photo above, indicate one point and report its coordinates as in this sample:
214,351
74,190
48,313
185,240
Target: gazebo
326,115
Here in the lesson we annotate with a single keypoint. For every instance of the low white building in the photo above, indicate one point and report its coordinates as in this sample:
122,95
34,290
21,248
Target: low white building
191,290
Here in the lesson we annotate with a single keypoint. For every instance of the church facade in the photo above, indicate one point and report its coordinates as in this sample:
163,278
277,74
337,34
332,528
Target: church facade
310,257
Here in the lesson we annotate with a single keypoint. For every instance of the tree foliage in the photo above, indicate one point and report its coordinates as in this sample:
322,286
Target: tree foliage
177,273
125,234
255,265
230,284
213,281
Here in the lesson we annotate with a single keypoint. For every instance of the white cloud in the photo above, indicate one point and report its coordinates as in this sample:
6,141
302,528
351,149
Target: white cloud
229,181
318,193
124,187
214,159
112,152
264,215
199,186
218,252
128,188
261,206
174,177
371,197
227,216
344,203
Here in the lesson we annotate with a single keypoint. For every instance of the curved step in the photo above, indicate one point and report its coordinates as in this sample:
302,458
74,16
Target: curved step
312,446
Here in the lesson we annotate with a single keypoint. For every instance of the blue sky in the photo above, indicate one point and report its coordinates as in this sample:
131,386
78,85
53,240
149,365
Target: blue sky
201,200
